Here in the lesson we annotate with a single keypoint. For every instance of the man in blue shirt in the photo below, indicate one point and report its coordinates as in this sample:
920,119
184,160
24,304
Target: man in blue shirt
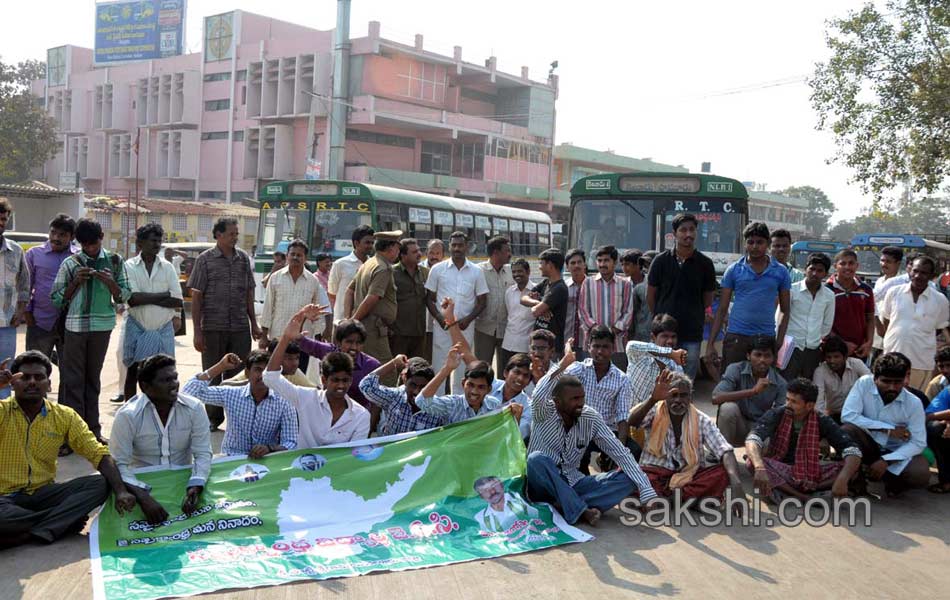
887,422
753,284
400,413
259,421
938,438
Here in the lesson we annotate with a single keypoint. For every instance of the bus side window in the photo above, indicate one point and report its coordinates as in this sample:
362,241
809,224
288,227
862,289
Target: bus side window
479,239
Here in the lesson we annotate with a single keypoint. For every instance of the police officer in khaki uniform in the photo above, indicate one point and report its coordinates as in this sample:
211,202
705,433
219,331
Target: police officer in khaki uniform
374,296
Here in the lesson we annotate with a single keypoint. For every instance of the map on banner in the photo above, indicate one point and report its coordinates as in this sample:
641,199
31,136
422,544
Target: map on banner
418,500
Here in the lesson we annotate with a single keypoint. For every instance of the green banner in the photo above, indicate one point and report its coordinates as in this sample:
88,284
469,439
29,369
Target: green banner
404,502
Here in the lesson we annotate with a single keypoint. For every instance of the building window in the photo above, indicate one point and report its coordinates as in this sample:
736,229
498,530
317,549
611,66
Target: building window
241,75
238,136
436,158
104,219
224,76
425,81
179,194
128,222
180,223
205,222
531,153
211,105
385,139
477,95
243,95
468,160
214,135
211,195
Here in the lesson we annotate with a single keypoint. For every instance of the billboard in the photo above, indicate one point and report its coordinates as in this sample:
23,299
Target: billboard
139,30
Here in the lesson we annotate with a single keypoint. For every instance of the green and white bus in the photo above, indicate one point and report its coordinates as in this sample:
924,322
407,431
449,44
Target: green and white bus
635,210
324,214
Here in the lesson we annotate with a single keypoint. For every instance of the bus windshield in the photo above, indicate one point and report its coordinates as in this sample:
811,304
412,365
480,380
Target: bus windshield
279,224
624,224
869,261
332,230
717,232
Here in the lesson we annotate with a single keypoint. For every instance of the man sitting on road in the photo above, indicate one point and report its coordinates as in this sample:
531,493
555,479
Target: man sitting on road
290,367
680,438
645,360
161,427
259,421
473,402
606,389
748,390
399,404
941,381
517,374
886,421
938,438
327,416
793,433
563,428
32,506
835,376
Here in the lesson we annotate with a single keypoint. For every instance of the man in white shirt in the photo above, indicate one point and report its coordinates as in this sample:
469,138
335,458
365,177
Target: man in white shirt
435,253
891,259
520,320
154,306
490,325
911,313
161,427
812,313
504,508
290,289
326,416
887,423
459,279
344,269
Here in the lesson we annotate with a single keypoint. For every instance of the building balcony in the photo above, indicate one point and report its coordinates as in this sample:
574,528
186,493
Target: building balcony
372,110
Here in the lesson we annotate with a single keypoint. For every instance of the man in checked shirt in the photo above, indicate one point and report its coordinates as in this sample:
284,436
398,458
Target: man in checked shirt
563,427
606,389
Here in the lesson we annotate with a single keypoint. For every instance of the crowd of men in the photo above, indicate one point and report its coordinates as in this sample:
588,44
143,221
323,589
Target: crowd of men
826,382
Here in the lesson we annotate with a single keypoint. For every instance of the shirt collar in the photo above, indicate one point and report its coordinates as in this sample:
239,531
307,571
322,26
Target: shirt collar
43,409
747,370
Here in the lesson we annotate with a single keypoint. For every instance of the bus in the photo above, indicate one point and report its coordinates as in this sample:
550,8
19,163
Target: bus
635,210
868,248
324,214
802,248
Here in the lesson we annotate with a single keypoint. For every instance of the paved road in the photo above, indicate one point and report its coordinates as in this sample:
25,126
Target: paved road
902,554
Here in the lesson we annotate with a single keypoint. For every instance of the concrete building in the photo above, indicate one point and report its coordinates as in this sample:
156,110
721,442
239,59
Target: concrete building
574,162
779,212
254,106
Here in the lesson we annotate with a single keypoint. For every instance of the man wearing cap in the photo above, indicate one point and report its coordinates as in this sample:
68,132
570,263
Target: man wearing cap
374,295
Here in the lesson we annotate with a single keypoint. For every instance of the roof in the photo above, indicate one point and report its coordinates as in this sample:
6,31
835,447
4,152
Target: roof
35,188
455,204
179,207
778,199
612,162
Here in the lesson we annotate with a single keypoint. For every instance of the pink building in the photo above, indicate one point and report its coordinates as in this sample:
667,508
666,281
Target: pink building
254,107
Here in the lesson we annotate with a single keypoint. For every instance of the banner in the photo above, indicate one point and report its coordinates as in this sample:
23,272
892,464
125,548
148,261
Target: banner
129,30
403,502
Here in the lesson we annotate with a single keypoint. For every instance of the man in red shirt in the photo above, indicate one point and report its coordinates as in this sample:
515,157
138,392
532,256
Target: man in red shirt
854,305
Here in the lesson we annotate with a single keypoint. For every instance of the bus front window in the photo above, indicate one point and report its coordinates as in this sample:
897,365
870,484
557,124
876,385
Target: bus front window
716,232
332,230
280,224
869,262
623,224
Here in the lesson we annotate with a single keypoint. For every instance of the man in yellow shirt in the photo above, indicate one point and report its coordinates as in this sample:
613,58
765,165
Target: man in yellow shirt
32,507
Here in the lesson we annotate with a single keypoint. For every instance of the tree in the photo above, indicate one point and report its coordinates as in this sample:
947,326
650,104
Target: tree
930,215
885,94
820,208
27,133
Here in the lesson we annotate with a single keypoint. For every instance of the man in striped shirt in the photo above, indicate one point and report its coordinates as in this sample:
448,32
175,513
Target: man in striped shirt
606,299
563,427
399,404
607,389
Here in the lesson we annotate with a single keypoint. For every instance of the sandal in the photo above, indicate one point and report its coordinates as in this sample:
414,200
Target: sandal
939,488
